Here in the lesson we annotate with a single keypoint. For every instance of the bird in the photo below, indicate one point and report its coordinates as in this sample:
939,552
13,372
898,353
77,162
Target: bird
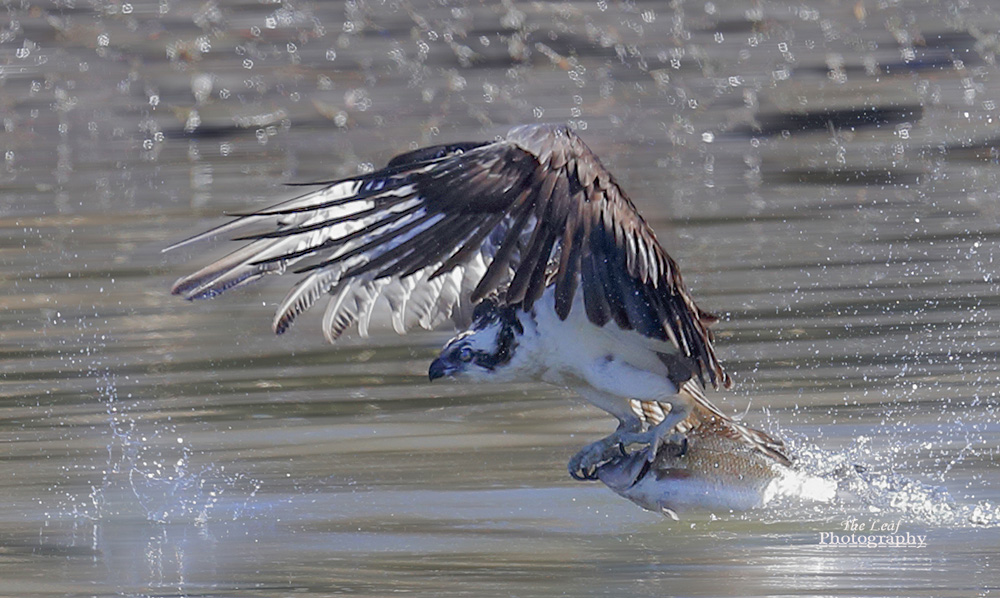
526,244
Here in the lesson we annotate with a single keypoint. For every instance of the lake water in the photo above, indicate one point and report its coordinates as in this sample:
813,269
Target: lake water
825,173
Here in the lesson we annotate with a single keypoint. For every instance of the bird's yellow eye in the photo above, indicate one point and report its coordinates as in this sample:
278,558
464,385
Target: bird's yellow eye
465,354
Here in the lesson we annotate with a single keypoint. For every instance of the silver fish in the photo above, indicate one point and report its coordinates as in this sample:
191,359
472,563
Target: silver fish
714,463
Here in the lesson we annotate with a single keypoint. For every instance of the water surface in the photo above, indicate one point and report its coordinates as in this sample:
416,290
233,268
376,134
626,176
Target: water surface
825,174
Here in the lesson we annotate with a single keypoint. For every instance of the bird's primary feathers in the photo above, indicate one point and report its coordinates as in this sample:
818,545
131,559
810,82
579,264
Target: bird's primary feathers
532,224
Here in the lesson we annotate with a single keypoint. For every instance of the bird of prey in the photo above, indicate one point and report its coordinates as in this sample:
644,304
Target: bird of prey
527,243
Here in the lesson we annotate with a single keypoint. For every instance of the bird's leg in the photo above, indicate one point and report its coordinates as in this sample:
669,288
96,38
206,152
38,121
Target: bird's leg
662,433
584,464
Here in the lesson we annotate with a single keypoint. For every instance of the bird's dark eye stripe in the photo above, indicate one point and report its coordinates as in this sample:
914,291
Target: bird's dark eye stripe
487,313
491,362
505,346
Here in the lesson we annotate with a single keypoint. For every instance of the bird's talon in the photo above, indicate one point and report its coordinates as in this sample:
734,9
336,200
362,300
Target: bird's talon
584,464
583,475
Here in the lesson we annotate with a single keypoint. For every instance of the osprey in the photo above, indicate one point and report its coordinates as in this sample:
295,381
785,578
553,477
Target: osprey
527,243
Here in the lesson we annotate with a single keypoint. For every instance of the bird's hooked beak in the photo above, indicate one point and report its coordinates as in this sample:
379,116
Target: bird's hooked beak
439,369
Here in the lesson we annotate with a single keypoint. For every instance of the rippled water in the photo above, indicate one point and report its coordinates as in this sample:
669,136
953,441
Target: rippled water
824,172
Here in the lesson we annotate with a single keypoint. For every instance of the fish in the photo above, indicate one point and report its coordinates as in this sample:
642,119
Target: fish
707,470
711,463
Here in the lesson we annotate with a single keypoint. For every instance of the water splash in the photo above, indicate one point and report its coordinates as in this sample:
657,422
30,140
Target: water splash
152,473
888,492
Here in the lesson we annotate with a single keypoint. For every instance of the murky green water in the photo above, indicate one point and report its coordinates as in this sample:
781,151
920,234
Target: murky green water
160,448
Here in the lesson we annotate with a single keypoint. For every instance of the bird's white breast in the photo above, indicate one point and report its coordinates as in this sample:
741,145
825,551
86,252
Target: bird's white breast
578,354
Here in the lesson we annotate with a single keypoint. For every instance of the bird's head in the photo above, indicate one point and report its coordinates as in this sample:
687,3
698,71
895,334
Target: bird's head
484,351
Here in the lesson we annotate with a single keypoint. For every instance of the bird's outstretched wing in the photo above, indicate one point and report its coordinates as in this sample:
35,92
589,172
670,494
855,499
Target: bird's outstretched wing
441,228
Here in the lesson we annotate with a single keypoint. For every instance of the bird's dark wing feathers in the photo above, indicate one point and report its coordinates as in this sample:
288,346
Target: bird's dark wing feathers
441,228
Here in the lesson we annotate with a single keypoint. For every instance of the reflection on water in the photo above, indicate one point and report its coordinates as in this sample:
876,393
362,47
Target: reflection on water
825,173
